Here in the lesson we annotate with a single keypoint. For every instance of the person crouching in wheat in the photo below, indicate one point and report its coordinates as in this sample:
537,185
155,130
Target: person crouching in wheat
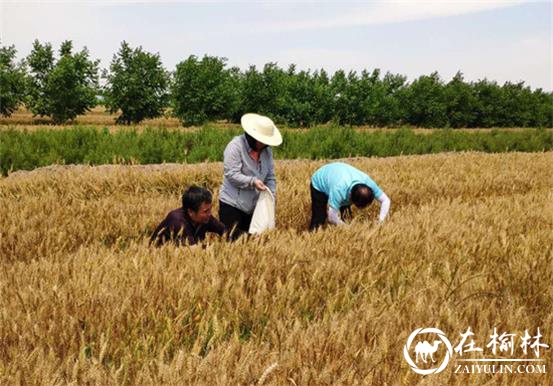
188,225
339,185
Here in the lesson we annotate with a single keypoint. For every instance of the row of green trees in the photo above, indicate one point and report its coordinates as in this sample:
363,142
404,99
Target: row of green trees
199,90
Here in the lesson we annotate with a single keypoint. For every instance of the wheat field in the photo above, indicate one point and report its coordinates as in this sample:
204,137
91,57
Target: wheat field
85,300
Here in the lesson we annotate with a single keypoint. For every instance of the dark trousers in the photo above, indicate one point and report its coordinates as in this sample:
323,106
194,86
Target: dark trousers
319,204
236,222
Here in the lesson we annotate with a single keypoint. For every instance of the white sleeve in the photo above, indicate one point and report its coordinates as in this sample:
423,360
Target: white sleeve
334,216
384,206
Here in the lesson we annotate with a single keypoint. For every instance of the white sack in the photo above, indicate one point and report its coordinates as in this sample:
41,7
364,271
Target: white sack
264,213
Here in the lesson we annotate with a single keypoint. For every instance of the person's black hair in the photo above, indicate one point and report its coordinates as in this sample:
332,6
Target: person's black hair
361,195
252,142
194,197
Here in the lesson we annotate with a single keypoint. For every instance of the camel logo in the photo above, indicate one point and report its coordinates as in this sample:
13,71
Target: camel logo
424,350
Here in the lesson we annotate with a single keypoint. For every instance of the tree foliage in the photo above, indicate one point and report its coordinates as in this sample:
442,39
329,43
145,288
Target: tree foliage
63,88
12,81
205,90
137,85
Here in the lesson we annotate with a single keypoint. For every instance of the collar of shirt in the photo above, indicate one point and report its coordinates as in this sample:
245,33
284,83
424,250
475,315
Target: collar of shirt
254,154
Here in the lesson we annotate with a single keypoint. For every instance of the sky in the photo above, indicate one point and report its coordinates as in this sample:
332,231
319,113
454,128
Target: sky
498,40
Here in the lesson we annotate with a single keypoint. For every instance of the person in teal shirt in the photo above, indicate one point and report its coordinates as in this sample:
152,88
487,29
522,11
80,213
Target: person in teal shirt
336,186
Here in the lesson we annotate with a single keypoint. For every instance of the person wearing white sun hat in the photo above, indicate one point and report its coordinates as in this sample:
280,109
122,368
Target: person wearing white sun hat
248,169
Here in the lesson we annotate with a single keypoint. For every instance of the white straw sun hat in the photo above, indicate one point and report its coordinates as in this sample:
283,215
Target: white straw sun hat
261,128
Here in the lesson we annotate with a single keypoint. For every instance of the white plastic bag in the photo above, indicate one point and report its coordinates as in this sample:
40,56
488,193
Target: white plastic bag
264,213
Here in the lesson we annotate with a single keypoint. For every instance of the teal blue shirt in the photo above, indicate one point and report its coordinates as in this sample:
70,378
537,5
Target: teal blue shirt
336,180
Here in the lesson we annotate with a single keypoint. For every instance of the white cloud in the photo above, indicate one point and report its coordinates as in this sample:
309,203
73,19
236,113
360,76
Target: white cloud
374,13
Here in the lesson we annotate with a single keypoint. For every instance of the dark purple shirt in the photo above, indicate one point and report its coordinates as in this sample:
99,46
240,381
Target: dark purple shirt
178,227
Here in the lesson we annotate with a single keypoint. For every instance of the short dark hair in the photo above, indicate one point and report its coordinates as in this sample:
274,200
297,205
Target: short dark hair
361,195
194,197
